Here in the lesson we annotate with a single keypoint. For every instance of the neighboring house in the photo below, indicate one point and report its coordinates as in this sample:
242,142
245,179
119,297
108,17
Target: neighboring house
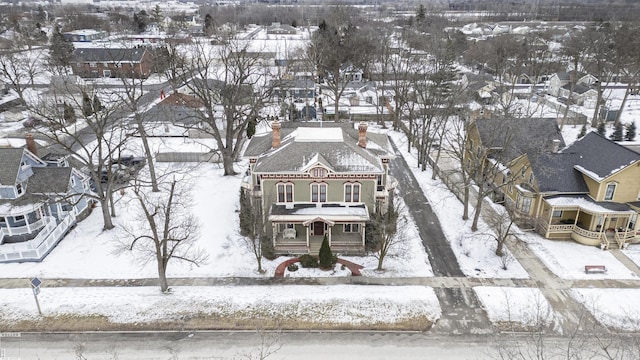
281,29
560,79
116,62
588,192
308,182
296,89
581,95
84,35
41,198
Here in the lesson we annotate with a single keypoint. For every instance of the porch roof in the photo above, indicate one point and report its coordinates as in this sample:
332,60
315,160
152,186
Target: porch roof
588,204
336,212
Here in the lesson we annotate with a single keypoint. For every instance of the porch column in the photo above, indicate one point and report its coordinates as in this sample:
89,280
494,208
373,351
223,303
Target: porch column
26,223
329,231
362,234
307,227
273,233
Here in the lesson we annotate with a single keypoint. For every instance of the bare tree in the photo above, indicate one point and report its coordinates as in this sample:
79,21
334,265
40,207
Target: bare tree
270,343
95,147
386,232
251,226
501,228
165,229
20,67
232,84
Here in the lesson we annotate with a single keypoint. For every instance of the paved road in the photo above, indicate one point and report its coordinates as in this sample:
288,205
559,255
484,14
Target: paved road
462,312
309,345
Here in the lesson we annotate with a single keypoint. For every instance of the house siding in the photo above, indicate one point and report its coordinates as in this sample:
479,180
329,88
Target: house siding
628,185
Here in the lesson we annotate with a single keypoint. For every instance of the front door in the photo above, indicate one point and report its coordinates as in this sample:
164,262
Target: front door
318,228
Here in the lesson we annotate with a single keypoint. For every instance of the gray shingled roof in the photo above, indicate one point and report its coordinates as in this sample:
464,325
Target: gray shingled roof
518,136
345,156
49,180
172,113
10,164
600,155
554,172
109,55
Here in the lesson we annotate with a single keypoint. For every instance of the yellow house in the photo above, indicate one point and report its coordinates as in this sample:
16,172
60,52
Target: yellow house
588,192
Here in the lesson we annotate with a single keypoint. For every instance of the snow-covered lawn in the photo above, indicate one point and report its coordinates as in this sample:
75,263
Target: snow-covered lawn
567,258
618,308
523,306
475,251
340,304
633,253
90,253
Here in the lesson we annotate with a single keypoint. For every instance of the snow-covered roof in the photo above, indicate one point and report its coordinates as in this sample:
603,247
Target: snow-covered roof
588,204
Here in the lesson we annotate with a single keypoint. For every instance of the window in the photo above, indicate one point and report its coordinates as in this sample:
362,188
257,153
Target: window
352,192
379,180
526,205
351,228
285,192
523,171
510,188
318,192
285,226
19,218
19,188
611,189
106,73
92,64
557,213
531,178
319,172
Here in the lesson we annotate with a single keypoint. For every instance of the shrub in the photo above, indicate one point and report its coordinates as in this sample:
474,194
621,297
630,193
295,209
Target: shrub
308,261
267,248
325,255
292,267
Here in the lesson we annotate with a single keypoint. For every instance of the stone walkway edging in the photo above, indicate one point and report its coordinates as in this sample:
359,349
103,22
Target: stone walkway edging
353,267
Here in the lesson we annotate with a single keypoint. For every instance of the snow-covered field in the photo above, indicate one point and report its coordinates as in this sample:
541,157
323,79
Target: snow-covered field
618,308
340,304
523,306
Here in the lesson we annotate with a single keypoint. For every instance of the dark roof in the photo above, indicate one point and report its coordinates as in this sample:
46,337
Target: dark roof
172,114
517,136
577,88
600,155
295,83
109,55
554,172
49,180
10,164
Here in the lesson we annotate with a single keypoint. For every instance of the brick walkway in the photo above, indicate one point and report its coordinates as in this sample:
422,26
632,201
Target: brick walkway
353,267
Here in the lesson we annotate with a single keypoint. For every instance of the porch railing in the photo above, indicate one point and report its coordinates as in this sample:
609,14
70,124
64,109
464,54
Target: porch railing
20,230
37,248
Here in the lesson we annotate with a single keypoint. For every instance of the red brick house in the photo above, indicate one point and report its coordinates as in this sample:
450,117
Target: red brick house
111,63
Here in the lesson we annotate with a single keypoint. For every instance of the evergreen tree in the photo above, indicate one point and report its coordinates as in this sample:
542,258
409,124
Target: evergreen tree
601,129
141,20
251,128
420,14
630,135
209,27
60,50
583,131
69,115
617,132
156,15
325,256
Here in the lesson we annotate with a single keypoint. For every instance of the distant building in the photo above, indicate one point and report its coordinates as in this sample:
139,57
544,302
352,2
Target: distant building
111,62
85,35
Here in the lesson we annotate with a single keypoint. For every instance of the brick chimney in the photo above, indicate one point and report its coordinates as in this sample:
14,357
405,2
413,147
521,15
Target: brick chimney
31,144
362,134
275,134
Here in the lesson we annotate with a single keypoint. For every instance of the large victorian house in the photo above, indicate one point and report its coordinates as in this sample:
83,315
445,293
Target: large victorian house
41,198
312,182
588,192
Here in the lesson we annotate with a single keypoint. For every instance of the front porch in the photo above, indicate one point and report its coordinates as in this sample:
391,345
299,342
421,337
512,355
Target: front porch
588,222
301,228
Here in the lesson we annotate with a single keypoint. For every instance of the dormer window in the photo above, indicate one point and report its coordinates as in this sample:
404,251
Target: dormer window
19,189
319,172
611,189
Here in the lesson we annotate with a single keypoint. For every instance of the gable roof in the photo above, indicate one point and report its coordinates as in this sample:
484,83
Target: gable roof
124,55
554,172
518,136
599,157
49,180
10,164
